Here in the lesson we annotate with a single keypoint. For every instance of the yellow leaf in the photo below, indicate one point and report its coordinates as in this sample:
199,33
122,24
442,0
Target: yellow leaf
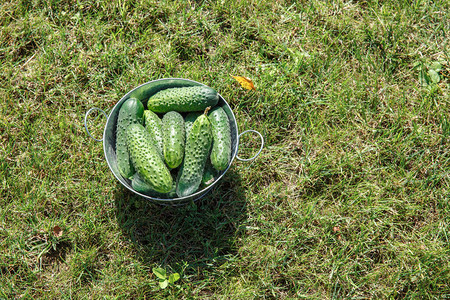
245,82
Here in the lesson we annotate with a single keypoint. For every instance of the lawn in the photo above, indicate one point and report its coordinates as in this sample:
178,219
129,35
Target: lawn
349,198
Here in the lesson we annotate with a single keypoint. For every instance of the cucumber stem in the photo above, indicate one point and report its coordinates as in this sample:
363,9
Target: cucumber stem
207,110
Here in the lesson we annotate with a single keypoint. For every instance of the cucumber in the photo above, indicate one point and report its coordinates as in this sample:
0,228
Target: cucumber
173,138
183,99
150,88
221,147
141,186
153,124
189,121
146,159
209,174
198,145
130,112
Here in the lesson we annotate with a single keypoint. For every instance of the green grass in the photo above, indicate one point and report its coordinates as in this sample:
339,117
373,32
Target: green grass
349,198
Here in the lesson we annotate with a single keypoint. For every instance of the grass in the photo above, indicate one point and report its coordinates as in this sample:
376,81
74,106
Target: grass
349,198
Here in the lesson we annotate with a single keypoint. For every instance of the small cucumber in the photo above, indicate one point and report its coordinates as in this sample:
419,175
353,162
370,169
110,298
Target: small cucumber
173,138
198,145
141,186
221,148
130,112
189,121
153,124
146,159
183,99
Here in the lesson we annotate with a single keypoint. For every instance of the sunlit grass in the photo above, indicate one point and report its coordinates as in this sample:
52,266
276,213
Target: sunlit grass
348,199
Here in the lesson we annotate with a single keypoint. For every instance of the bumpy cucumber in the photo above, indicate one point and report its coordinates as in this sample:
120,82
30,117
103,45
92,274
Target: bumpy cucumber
209,174
146,159
130,112
198,145
173,138
184,99
189,121
139,185
153,124
147,90
221,148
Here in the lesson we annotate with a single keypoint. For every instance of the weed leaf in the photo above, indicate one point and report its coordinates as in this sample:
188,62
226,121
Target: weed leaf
160,273
173,277
436,66
163,283
434,76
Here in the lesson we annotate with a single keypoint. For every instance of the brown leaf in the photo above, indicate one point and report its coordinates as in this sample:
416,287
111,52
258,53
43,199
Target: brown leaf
245,82
57,231
336,229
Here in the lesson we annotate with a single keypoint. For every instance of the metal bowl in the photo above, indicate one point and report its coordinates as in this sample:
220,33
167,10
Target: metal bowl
143,92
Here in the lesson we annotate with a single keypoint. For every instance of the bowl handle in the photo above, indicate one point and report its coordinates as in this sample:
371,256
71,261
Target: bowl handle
85,121
260,149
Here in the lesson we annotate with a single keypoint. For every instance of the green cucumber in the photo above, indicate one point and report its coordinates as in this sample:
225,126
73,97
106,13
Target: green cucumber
130,112
198,145
148,89
139,185
173,138
183,99
221,148
153,124
146,159
189,121
209,174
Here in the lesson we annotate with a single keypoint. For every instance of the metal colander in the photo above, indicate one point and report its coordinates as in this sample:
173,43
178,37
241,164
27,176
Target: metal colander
143,92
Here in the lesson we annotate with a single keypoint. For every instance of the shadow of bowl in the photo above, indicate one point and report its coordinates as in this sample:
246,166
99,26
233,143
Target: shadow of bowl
198,232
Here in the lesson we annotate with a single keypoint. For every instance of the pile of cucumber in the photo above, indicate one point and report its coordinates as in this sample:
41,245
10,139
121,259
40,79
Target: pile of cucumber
175,145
